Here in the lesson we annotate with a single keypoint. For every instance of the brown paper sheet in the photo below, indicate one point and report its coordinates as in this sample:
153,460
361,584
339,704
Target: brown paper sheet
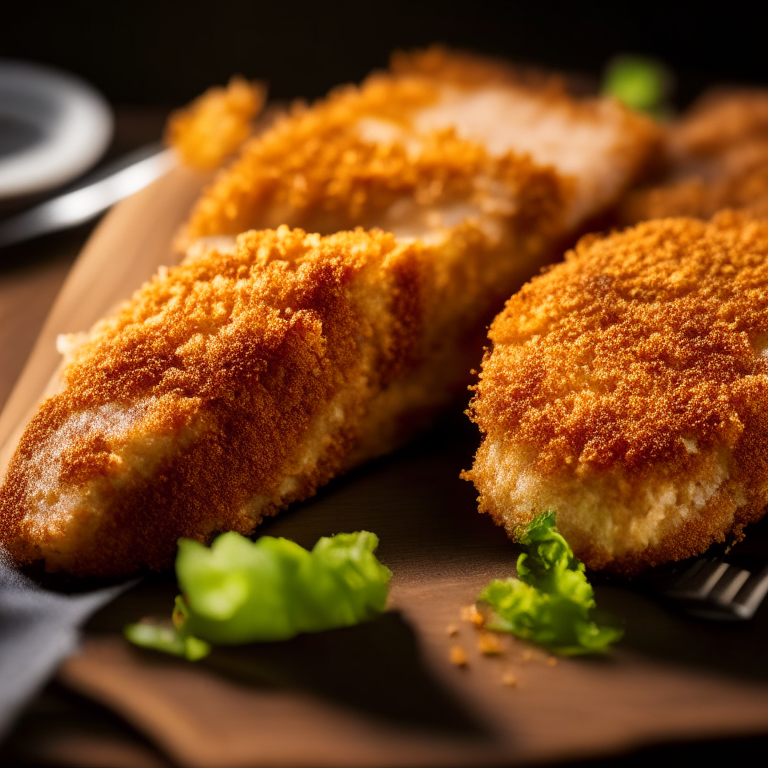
386,693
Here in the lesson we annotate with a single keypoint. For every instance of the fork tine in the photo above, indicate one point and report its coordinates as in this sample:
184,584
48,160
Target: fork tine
712,589
690,572
751,594
698,581
728,586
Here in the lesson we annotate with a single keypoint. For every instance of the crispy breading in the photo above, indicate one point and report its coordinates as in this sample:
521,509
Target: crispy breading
430,132
469,70
720,119
247,377
209,379
215,124
627,390
239,382
717,159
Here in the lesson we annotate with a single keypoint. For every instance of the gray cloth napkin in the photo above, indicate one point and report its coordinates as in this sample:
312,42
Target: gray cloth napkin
38,629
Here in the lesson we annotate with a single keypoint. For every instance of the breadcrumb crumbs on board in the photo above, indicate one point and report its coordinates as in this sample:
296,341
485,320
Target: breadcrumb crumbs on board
458,656
452,630
488,643
509,679
214,125
469,613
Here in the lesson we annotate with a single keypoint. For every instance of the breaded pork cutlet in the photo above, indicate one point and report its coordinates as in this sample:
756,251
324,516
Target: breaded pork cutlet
442,141
248,376
222,391
627,390
717,158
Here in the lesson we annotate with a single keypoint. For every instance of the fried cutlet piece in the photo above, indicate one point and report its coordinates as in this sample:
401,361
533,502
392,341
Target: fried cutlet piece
215,124
717,158
627,390
226,388
238,382
432,144
249,376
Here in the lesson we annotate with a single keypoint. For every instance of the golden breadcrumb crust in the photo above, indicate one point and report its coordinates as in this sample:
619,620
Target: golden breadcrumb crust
249,380
242,362
254,344
214,125
467,70
314,169
643,352
720,118
717,159
739,182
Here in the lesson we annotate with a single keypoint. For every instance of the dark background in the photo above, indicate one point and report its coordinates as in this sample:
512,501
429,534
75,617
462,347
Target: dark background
164,53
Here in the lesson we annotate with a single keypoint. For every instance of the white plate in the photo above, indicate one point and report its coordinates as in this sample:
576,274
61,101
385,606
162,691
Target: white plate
53,127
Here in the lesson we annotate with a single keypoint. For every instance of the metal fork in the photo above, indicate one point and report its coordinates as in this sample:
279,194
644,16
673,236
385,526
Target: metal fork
713,589
92,196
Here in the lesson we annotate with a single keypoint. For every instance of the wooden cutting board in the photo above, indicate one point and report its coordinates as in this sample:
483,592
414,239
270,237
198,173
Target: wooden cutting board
387,693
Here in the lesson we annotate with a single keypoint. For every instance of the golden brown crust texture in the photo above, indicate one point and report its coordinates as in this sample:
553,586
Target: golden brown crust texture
316,169
717,159
644,351
468,70
233,368
241,382
215,124
244,350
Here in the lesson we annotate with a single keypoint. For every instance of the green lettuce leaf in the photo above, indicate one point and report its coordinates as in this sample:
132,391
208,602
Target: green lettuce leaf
551,603
167,639
639,83
239,591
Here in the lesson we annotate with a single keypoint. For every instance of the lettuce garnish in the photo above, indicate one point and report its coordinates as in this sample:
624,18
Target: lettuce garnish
551,603
168,639
638,82
239,591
